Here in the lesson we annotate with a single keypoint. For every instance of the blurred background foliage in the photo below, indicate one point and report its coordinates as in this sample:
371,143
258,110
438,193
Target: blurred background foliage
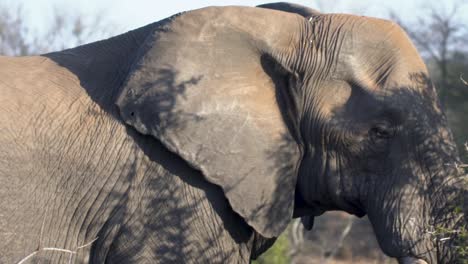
278,254
66,28
439,34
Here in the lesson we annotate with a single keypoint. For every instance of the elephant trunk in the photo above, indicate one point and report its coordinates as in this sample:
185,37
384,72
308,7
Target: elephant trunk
450,223
423,213
445,197
428,231
435,190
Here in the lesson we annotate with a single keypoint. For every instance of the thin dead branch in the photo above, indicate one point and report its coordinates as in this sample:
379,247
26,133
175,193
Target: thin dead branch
68,251
465,83
341,239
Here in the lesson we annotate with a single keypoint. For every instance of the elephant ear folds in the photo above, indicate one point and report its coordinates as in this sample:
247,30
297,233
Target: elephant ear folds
210,97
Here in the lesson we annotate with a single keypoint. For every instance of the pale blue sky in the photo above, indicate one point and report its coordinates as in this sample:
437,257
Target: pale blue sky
130,14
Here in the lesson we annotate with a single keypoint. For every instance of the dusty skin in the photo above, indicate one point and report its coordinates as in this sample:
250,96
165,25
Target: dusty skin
196,139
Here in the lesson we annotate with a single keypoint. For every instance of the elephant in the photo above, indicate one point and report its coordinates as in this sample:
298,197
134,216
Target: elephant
198,138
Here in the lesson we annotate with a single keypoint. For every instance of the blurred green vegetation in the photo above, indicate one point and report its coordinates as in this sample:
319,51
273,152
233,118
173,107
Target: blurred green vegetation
277,254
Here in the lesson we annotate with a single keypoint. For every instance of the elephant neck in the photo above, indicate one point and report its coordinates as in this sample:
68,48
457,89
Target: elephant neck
103,66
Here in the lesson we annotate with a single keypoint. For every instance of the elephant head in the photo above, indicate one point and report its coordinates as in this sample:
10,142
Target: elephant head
293,112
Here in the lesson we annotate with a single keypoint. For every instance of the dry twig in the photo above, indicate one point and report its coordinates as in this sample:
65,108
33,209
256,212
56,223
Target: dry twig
71,252
465,83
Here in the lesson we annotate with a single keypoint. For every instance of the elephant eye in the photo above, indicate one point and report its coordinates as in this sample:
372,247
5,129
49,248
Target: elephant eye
381,131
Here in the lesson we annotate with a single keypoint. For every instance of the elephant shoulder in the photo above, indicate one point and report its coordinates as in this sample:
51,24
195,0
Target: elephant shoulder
36,74
34,85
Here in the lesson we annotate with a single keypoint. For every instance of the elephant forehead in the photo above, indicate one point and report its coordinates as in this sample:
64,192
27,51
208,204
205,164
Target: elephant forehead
383,41
379,57
371,38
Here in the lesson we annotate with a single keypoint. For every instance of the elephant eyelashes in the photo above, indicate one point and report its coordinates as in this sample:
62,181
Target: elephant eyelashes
381,131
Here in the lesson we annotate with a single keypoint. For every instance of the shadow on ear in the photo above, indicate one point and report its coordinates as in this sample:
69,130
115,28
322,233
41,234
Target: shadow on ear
205,88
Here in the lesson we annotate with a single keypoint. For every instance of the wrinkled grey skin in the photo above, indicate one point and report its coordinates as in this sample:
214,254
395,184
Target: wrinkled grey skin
198,138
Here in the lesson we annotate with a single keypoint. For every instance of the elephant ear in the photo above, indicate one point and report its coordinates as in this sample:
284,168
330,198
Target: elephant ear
203,86
292,8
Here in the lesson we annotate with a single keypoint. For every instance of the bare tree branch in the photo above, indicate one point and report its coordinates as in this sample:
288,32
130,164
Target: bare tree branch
342,237
465,83
438,34
66,30
68,251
